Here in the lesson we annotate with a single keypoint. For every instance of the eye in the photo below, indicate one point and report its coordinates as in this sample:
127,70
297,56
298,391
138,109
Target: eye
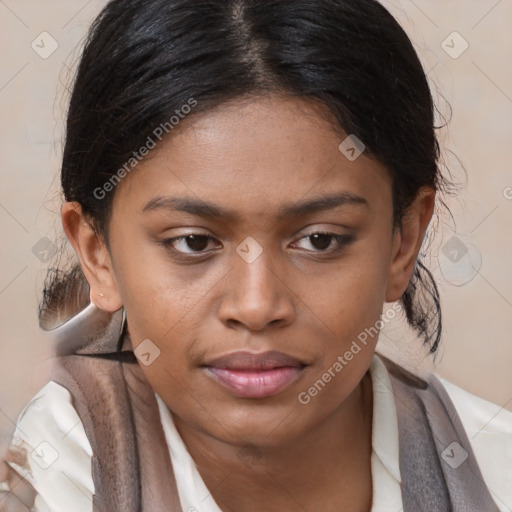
188,244
325,242
319,242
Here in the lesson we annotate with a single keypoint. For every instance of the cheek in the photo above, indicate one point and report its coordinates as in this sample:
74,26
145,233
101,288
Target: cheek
346,351
351,296
156,292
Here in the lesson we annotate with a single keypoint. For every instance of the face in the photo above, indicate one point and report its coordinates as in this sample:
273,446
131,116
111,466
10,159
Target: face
249,230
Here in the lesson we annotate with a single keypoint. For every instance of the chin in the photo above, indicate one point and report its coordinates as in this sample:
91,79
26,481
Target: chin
270,429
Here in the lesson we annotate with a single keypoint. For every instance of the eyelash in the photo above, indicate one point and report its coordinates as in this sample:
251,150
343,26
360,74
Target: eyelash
342,240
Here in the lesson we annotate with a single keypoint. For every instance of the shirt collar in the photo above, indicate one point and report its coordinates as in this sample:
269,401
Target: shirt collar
384,424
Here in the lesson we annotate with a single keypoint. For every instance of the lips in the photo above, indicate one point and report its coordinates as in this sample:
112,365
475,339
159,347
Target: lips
253,361
251,375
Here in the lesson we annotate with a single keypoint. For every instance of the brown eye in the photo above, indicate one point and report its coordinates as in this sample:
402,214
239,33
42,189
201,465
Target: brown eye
197,242
321,241
325,242
188,244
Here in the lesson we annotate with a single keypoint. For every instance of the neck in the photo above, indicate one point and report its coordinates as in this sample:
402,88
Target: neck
327,468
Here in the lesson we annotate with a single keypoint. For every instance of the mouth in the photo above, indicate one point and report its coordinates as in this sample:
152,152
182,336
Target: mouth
251,375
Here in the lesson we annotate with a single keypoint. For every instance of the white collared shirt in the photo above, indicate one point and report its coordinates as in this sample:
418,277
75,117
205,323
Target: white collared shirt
60,459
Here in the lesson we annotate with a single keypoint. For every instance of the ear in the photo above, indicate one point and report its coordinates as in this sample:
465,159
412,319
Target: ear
407,241
94,257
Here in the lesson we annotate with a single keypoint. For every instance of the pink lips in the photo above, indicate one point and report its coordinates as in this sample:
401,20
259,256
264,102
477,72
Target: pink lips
250,375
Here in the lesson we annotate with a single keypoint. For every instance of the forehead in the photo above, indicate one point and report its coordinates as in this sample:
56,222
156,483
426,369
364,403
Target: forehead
255,156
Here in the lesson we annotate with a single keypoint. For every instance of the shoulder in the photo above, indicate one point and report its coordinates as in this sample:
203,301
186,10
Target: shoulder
480,416
488,427
54,454
489,430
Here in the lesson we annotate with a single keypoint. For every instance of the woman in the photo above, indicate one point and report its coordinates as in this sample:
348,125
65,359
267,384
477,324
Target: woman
247,184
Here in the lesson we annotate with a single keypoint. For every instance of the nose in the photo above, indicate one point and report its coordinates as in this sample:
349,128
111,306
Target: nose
256,295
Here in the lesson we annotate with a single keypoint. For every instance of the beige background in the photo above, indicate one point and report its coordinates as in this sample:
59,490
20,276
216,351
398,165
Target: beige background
476,351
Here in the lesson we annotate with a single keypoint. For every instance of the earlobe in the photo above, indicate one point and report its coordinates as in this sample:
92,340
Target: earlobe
407,241
94,257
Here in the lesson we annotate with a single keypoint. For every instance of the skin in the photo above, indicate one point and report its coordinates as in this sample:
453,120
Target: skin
305,299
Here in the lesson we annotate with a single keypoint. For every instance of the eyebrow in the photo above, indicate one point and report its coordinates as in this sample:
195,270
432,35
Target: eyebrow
301,208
